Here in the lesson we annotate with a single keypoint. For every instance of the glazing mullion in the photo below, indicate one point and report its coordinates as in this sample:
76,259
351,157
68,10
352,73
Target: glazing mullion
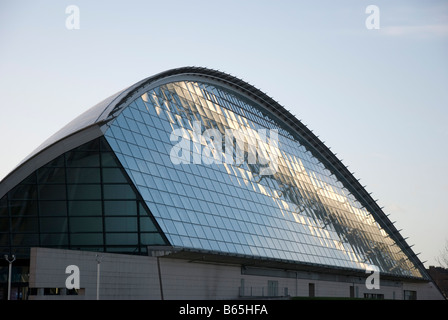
67,202
103,207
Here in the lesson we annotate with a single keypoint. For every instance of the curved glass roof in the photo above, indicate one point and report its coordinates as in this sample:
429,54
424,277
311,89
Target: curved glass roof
224,168
172,142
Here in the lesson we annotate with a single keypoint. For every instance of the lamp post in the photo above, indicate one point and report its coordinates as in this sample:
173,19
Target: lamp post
9,273
98,260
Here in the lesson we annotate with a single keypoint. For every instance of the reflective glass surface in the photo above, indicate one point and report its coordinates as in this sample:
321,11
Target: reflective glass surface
299,213
81,200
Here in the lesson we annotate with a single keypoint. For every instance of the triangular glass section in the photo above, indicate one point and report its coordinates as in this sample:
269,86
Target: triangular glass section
82,200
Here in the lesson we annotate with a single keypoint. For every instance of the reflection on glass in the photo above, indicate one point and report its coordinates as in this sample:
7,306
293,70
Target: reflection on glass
73,202
300,213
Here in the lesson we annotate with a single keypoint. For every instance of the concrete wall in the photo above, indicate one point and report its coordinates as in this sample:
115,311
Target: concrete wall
425,291
147,277
121,276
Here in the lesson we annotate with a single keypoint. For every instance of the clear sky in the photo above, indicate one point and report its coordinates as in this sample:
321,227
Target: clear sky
377,97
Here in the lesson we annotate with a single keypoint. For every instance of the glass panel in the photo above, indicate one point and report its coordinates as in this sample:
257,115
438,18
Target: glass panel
146,224
120,208
54,239
84,208
4,207
113,175
122,239
31,179
86,224
83,159
52,192
151,239
104,146
86,239
58,162
4,224
89,146
84,192
23,192
83,175
53,224
24,224
25,240
23,208
108,159
117,224
51,175
52,208
118,191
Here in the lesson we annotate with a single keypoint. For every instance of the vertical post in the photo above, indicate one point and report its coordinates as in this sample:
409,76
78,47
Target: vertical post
98,260
297,285
160,279
9,273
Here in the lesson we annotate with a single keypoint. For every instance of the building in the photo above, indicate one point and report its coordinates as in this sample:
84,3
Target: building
193,184
440,277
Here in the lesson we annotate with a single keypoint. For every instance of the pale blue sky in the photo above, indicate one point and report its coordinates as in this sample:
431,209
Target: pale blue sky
378,98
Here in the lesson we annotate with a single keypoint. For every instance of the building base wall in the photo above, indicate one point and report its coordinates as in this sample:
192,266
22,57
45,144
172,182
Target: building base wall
154,278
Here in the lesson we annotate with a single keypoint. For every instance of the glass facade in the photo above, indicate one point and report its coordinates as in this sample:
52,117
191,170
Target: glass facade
80,200
300,213
133,187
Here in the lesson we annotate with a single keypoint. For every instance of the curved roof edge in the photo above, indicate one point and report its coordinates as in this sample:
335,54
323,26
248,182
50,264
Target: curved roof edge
94,122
